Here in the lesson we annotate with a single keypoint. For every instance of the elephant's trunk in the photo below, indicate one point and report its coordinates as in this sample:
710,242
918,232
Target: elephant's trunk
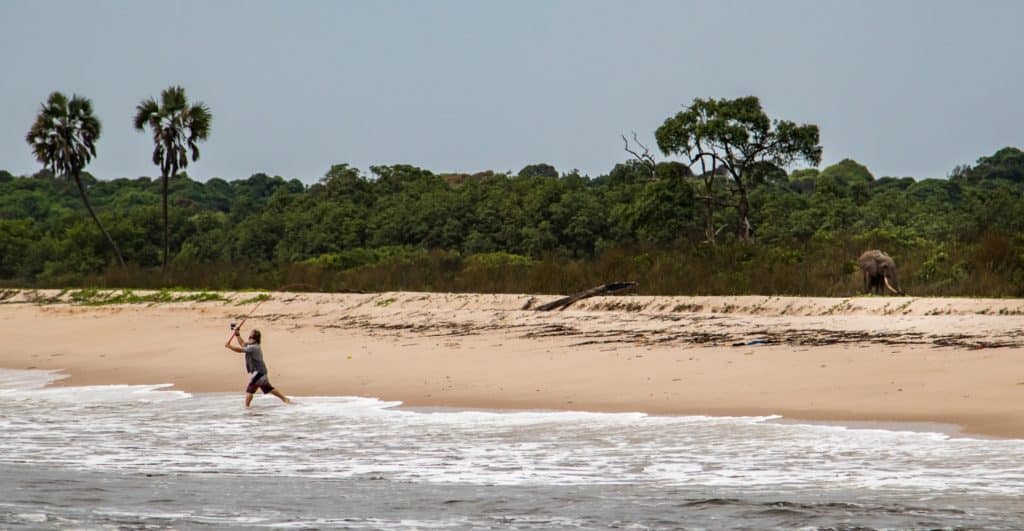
888,285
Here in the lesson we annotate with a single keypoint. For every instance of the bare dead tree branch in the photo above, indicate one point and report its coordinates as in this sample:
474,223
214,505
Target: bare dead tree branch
644,158
603,289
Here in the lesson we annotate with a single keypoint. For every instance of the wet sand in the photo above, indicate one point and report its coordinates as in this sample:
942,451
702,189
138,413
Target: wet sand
863,359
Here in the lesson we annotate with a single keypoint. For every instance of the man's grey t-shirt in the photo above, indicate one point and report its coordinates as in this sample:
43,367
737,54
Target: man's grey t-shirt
254,359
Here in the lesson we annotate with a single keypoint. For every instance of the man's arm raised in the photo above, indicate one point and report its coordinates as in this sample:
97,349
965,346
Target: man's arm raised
232,347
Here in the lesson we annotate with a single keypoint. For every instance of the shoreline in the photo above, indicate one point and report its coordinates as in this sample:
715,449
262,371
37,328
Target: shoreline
946,429
950,430
872,360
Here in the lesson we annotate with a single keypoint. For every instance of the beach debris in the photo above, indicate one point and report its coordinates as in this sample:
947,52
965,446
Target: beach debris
603,289
616,332
752,343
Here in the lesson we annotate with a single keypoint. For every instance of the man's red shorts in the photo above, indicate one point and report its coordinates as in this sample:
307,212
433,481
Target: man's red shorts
259,381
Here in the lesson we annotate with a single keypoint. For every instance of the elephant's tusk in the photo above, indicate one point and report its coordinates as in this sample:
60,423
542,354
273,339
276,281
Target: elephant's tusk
889,285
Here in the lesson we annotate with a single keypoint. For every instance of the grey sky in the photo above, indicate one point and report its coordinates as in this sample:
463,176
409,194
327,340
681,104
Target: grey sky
906,88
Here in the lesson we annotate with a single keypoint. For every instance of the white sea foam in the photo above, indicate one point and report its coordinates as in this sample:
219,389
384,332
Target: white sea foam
99,394
151,429
35,518
20,380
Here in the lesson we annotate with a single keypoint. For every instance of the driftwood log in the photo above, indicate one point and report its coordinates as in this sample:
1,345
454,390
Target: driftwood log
603,289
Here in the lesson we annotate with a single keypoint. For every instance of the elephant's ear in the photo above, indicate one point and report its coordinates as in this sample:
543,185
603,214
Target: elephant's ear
868,265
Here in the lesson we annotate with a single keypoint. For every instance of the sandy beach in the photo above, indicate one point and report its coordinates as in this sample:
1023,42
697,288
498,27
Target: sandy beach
866,359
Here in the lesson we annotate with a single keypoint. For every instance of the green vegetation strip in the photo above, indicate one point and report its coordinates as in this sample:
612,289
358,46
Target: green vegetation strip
98,297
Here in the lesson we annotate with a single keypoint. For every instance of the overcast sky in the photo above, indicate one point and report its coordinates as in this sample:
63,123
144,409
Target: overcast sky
908,88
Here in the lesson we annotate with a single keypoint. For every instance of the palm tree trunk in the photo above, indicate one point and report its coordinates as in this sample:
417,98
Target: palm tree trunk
167,245
88,206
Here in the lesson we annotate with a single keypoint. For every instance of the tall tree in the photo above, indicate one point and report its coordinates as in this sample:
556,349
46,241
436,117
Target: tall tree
735,136
177,127
63,138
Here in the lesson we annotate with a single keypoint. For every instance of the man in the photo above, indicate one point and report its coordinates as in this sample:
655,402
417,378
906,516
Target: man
254,366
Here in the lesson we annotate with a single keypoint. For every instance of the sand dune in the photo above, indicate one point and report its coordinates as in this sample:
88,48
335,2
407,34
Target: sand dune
889,359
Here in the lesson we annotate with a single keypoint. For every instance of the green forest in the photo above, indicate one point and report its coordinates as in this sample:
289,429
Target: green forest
732,202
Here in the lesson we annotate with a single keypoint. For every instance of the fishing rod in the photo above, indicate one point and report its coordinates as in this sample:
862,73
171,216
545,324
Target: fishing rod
235,328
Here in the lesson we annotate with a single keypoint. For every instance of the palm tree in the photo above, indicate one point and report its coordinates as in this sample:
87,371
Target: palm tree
63,138
177,126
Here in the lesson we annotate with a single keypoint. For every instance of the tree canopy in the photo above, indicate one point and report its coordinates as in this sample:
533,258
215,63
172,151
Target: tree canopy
403,227
400,226
737,138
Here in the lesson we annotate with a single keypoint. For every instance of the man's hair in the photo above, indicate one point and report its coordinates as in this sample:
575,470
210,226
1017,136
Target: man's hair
256,336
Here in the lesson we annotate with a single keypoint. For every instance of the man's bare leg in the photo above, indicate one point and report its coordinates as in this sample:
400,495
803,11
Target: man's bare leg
248,399
283,398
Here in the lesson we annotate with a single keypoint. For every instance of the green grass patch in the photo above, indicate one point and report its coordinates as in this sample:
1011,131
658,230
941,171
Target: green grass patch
252,300
98,297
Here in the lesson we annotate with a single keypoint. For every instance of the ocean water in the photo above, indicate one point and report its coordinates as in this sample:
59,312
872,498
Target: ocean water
110,457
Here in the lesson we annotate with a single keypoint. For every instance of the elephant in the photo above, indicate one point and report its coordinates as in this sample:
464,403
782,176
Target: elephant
879,272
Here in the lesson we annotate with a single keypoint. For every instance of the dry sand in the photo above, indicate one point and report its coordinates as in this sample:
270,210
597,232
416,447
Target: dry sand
883,359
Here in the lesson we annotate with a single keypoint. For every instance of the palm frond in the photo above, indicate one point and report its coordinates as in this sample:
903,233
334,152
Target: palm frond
64,134
177,127
158,154
199,120
145,112
79,106
194,149
173,98
57,100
